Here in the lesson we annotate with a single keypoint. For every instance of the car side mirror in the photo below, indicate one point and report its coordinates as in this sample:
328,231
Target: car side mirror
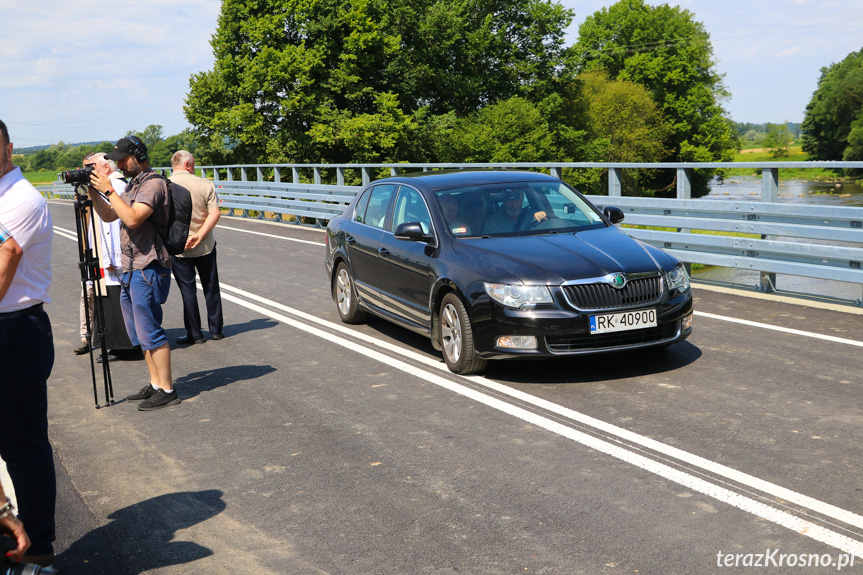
614,215
412,232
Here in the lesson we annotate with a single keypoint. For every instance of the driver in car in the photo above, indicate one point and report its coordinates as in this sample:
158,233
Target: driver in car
513,217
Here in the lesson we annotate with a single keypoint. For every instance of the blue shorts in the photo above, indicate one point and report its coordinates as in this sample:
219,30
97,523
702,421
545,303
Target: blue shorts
141,298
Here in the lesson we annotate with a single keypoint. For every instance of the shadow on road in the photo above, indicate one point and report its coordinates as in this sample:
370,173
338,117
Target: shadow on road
597,367
140,537
197,382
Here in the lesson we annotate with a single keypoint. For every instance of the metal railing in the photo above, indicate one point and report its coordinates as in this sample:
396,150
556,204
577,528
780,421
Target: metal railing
823,242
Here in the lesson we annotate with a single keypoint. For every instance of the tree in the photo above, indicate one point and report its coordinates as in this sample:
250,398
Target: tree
300,80
778,138
834,116
665,50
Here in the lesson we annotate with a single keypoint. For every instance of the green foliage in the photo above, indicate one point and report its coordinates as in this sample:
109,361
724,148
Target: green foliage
310,80
665,50
777,139
833,124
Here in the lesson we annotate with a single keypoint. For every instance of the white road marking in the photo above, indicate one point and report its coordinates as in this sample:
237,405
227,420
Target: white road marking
221,227
781,329
748,504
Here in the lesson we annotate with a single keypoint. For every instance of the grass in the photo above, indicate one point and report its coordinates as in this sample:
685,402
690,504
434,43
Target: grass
795,154
40,178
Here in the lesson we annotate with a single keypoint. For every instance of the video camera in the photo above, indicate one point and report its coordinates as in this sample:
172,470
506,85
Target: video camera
9,568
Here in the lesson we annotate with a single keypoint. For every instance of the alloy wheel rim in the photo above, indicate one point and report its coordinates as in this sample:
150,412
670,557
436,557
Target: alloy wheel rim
451,333
343,291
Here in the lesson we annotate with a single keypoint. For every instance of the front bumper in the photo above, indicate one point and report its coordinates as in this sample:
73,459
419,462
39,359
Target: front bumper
564,331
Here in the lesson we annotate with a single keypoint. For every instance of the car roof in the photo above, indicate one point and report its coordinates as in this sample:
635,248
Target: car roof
442,179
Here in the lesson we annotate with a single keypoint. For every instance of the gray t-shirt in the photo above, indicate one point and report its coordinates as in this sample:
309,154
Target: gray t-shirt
144,244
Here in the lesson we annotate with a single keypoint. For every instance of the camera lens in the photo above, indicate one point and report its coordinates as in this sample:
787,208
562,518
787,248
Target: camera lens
77,177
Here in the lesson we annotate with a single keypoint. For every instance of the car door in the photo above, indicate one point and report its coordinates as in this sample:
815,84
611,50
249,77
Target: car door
405,278
362,239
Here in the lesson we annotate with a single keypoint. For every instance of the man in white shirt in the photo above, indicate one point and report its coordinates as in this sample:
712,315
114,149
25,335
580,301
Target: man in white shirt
26,352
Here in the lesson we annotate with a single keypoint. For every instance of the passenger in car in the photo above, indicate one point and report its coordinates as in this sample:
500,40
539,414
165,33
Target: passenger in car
473,210
450,206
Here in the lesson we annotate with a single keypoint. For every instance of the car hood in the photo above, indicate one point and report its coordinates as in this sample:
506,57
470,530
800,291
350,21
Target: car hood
552,259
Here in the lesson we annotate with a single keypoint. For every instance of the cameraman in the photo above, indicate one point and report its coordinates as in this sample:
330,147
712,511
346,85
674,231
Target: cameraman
11,525
146,277
26,351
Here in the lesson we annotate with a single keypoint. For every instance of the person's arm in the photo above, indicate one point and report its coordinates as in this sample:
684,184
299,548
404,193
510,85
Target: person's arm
115,206
212,219
10,254
11,524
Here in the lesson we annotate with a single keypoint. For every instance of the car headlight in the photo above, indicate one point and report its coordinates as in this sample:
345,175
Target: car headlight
518,296
677,279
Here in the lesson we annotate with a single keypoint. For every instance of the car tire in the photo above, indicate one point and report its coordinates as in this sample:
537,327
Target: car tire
345,294
456,338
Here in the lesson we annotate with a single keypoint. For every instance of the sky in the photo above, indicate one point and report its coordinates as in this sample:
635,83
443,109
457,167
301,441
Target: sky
83,70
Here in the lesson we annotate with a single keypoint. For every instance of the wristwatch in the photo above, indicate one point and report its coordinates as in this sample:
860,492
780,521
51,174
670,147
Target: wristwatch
109,191
7,510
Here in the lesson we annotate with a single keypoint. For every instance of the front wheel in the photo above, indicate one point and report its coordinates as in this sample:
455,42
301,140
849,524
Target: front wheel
456,338
345,294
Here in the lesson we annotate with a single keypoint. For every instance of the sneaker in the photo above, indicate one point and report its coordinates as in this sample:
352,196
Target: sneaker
218,336
145,393
159,399
83,348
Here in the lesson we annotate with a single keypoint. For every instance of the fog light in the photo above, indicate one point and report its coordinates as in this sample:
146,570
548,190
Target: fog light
687,322
517,341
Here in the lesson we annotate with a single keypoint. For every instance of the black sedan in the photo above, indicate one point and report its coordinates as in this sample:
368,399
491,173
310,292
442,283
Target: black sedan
502,264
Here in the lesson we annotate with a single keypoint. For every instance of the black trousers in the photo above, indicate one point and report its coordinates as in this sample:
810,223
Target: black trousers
27,357
184,270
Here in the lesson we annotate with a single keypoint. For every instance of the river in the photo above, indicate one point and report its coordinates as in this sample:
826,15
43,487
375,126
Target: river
748,188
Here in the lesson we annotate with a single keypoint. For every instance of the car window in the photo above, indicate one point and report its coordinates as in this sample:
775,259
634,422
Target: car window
379,201
410,207
515,208
362,204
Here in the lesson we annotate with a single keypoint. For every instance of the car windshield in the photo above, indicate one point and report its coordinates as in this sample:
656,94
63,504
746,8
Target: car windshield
515,208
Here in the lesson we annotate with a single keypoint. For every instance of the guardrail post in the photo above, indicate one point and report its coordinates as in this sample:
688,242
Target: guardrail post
614,185
367,175
243,174
215,174
684,183
555,173
770,185
317,176
230,174
394,171
259,174
769,193
277,176
340,176
296,175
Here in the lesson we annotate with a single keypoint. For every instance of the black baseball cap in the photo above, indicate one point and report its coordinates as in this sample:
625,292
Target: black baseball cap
125,147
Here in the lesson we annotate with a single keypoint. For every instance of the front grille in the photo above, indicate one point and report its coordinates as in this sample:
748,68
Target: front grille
586,343
636,293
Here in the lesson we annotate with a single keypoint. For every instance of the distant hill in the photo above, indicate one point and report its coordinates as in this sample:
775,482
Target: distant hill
34,149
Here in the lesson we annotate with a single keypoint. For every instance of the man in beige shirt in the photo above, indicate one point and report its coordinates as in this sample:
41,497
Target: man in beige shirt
200,254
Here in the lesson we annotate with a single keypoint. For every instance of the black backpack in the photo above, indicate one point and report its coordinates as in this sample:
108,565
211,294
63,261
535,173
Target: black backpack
179,217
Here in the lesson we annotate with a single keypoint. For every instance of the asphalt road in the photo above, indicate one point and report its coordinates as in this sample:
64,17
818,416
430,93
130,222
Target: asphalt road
306,446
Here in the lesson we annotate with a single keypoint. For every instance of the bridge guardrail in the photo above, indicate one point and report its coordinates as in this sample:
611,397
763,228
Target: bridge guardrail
824,242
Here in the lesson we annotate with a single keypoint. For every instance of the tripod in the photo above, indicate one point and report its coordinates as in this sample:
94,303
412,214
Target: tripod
91,273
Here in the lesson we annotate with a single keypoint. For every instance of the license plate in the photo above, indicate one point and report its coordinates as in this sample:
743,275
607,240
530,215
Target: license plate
622,321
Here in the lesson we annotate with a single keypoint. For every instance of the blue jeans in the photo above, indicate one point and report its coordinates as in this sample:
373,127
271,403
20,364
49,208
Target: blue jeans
144,291
27,357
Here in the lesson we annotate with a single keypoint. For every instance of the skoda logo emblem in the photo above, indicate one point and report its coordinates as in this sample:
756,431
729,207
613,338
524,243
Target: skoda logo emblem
618,281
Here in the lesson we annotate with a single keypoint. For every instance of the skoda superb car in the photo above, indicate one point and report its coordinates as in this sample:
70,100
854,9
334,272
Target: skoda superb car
502,264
